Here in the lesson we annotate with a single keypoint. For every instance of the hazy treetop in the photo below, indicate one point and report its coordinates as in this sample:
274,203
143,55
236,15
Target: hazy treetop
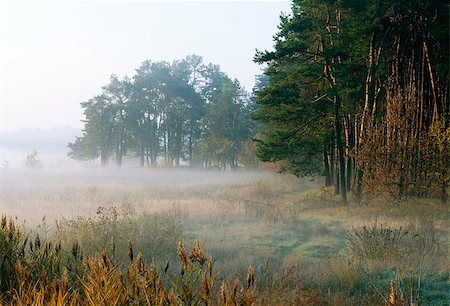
55,55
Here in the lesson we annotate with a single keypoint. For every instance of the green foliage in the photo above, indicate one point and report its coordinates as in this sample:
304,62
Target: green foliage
83,148
248,157
354,77
217,151
303,155
168,111
296,111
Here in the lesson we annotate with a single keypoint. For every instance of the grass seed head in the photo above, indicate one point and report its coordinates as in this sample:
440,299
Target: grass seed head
171,297
197,254
250,276
130,251
224,292
205,289
182,253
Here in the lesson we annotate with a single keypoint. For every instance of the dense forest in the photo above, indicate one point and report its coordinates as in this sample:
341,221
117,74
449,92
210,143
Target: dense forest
169,113
359,91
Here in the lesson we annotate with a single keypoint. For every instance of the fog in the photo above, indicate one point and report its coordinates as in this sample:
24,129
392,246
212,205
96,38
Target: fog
84,175
56,54
65,52
77,189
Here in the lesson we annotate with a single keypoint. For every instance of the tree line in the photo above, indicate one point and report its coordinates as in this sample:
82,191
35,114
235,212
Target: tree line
169,114
359,91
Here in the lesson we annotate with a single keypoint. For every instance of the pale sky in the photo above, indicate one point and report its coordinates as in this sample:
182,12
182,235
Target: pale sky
54,55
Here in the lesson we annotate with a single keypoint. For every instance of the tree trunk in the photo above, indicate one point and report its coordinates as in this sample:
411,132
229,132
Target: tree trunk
348,144
332,162
326,167
340,146
141,159
103,158
337,184
338,126
359,188
190,150
369,87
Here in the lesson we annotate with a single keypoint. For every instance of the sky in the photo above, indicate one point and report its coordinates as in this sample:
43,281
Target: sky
56,54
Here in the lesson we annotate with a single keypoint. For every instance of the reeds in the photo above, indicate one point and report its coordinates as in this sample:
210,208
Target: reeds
47,274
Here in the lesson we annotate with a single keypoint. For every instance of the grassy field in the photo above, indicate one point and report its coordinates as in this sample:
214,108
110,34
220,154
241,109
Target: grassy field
304,247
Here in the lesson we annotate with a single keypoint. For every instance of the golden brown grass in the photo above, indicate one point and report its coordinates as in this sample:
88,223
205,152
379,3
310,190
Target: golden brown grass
101,282
276,224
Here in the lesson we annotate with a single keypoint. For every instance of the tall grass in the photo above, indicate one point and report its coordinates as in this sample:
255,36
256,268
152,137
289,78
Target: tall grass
304,248
40,276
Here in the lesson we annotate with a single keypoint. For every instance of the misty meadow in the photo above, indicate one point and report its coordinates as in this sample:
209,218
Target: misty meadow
325,184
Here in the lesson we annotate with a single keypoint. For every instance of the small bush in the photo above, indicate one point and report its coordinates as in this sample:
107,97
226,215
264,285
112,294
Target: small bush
33,160
154,234
389,253
377,242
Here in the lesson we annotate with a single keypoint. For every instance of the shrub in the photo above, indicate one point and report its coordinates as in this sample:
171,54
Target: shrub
377,242
32,160
399,254
154,234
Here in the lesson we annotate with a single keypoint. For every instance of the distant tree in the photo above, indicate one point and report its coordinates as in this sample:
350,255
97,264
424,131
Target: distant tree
118,95
82,150
193,68
98,134
106,124
33,160
247,157
167,110
228,117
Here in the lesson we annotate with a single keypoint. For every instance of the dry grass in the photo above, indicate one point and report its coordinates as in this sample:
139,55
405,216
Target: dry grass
291,231
99,281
